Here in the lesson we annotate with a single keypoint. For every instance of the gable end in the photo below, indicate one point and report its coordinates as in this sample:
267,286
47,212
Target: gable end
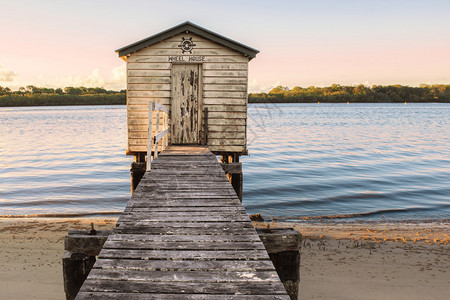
188,27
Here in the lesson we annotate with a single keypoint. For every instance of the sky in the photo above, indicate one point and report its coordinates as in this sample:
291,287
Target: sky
302,43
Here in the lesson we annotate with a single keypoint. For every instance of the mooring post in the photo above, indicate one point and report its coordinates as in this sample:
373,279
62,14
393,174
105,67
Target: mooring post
283,246
82,247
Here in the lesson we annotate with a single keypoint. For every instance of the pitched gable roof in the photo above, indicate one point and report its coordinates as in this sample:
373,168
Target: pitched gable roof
190,27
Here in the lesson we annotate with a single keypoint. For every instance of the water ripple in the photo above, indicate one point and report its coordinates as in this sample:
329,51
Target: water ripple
307,161
347,160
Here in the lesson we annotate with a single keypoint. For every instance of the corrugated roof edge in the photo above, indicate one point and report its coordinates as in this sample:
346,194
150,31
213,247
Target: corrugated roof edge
188,26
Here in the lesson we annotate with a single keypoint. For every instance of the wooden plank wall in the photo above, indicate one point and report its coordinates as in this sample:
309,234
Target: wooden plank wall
225,78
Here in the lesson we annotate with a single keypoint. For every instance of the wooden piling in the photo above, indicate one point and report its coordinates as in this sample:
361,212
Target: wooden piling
81,248
283,246
235,176
137,171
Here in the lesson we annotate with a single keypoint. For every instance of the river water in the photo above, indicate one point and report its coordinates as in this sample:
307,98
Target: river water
319,161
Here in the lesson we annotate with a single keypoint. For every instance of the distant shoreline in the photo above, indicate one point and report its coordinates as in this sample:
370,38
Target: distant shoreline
62,100
120,99
286,101
436,93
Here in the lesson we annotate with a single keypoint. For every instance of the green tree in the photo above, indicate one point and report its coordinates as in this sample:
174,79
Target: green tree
48,90
360,90
279,90
73,90
22,91
31,89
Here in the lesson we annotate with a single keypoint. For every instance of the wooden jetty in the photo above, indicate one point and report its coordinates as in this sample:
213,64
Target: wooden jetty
184,235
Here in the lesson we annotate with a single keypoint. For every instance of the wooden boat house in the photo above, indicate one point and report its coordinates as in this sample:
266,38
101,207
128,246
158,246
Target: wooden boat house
201,77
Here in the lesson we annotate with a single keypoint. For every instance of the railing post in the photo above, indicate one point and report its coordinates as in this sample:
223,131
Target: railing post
166,126
153,139
156,133
206,126
150,135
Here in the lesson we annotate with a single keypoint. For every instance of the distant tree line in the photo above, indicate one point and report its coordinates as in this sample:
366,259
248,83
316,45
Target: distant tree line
359,93
34,90
34,96
41,96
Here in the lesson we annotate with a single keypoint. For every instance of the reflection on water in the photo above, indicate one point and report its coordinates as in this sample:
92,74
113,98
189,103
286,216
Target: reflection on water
306,160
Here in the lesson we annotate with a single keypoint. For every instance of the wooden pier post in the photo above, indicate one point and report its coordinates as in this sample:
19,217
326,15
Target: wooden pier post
283,246
233,169
137,171
82,247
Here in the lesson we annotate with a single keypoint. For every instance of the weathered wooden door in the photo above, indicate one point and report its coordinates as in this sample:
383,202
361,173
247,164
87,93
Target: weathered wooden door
186,106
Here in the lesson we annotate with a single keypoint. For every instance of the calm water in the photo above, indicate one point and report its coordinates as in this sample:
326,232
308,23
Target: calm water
369,161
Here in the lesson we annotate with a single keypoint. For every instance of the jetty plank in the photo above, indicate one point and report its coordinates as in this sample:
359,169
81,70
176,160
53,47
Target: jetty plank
184,287
187,265
183,238
141,296
194,245
187,276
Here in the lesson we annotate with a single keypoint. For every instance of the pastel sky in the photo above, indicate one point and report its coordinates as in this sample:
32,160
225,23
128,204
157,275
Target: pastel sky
304,43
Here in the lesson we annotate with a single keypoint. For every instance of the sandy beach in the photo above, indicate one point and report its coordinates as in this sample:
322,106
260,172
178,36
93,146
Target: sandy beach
338,261
375,261
31,255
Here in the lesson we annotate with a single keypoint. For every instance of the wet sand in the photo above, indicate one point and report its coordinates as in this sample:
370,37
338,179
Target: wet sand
339,261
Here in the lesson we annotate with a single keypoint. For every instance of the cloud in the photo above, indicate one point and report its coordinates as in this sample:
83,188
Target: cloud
119,74
115,80
255,87
366,83
92,80
7,75
118,79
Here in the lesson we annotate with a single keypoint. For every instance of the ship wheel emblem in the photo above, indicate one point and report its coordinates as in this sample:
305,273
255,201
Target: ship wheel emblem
186,45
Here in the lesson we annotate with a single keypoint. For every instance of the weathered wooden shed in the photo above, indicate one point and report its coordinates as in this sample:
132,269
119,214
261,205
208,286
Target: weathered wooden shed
201,77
